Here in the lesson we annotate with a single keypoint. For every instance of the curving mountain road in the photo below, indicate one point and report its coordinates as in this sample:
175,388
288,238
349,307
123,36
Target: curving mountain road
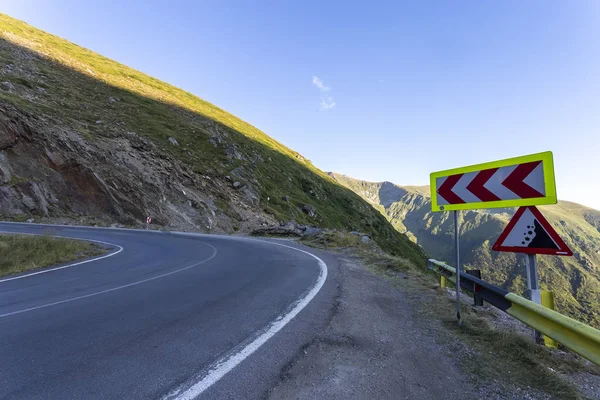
162,315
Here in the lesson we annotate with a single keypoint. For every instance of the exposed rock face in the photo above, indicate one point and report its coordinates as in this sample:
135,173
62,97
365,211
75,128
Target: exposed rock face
52,172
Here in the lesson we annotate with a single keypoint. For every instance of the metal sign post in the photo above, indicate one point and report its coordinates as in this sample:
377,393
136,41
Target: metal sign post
457,250
535,294
533,280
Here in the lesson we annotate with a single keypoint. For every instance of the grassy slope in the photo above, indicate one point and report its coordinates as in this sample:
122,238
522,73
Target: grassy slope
78,83
488,347
574,279
22,253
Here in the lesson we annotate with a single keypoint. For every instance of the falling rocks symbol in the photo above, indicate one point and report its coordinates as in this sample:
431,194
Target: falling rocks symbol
538,238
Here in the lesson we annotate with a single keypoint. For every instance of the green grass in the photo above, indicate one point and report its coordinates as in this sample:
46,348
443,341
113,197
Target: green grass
575,280
19,253
79,83
17,218
376,259
333,240
494,354
507,355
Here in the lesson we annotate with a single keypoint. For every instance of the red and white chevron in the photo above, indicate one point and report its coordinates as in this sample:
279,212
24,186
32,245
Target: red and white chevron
521,181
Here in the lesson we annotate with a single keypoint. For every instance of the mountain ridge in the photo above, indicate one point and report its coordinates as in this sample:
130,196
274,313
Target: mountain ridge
574,279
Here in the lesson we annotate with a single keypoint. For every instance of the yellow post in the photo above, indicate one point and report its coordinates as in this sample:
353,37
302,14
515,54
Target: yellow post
443,281
548,302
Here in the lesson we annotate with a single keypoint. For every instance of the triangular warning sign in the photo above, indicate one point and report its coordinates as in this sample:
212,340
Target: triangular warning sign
529,232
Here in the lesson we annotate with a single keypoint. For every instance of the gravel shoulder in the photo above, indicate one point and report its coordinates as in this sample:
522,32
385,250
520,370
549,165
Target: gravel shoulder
381,344
372,348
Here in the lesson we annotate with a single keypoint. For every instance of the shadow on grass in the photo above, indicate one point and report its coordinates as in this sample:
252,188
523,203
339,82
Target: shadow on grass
20,253
98,109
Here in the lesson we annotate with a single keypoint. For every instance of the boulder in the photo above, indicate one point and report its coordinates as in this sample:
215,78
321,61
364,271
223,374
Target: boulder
310,210
289,228
5,170
312,231
237,185
8,137
8,85
28,202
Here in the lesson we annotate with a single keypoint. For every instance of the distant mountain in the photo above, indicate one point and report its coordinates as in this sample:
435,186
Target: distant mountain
576,280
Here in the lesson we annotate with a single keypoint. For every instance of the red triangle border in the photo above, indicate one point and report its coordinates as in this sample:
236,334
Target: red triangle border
563,249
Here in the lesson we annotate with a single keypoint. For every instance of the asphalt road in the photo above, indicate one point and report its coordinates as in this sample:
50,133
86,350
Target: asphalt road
166,315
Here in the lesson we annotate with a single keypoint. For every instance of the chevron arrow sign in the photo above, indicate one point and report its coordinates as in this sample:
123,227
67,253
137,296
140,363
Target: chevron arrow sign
519,181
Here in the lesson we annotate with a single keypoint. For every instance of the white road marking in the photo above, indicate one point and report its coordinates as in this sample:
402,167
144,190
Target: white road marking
114,253
227,363
115,288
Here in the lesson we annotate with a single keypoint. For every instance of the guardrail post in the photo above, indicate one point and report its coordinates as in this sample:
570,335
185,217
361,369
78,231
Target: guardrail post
477,299
548,302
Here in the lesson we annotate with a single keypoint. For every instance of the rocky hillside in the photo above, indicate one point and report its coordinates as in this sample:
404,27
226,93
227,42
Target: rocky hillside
85,139
576,280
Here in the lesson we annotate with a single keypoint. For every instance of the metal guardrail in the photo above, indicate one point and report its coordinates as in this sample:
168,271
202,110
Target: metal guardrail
579,337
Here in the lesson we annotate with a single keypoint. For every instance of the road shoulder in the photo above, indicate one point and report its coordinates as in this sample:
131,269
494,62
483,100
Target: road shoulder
378,344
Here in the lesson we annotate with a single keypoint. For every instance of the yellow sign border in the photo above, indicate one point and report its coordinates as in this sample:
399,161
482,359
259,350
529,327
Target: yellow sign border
549,181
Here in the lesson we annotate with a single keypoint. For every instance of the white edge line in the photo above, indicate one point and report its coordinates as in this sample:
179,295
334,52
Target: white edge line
114,288
229,362
64,266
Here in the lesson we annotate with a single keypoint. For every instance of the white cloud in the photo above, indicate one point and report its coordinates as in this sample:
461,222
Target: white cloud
319,83
327,101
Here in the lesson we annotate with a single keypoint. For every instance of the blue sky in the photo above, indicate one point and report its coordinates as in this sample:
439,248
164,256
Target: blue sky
403,88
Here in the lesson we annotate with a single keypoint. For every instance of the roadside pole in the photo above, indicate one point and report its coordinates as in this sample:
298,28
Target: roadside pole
534,288
457,251
533,280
